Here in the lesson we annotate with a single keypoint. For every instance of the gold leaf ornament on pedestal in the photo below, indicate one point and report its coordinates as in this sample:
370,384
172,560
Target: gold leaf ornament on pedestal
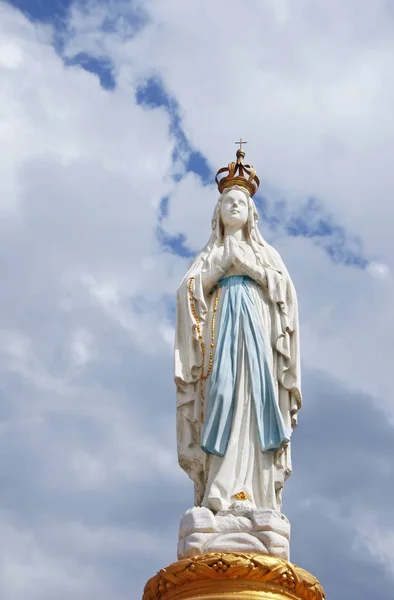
233,575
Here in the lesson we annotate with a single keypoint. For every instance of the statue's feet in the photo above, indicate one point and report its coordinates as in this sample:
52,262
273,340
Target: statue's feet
239,507
222,506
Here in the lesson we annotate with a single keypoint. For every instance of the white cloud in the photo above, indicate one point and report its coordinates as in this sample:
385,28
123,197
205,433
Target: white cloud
379,270
82,173
10,55
308,85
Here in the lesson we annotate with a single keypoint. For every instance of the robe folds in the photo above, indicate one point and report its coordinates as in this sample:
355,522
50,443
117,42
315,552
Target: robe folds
252,395
241,352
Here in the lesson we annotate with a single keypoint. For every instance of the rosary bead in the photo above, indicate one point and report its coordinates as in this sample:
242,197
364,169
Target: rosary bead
197,325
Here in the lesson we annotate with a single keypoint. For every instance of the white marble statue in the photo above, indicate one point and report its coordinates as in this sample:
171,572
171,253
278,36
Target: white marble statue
237,372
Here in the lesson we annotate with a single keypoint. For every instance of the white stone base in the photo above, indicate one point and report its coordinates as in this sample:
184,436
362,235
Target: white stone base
242,528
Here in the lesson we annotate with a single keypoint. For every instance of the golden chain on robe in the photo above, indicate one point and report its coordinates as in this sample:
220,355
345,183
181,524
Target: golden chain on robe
200,338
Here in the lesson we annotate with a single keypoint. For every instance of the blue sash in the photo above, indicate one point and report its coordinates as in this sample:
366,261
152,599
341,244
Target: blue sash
239,322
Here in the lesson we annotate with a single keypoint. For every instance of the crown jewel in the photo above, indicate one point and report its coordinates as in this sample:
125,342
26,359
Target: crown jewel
238,174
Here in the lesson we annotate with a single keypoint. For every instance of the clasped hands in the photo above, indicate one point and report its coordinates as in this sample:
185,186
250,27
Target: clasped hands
233,255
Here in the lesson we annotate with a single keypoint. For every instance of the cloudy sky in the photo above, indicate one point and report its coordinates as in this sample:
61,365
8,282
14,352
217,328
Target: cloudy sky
114,117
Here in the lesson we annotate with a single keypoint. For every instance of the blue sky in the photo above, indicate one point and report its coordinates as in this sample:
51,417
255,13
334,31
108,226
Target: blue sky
114,118
44,10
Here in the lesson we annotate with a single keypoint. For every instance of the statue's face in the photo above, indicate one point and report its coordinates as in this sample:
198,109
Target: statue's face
234,209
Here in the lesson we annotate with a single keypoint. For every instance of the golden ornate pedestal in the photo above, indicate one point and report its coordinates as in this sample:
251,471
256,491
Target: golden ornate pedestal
233,576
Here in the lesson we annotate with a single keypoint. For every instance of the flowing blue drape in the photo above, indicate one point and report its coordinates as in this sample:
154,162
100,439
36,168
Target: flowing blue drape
239,323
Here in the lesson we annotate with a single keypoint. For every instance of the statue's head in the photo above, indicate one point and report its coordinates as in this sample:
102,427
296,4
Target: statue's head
235,209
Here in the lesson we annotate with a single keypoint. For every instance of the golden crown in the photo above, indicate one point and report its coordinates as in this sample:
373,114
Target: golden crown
238,174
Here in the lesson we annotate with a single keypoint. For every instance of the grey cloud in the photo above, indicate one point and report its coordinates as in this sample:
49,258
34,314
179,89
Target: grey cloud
341,454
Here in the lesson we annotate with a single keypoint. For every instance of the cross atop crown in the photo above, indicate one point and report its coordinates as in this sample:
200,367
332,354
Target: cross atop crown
240,151
240,143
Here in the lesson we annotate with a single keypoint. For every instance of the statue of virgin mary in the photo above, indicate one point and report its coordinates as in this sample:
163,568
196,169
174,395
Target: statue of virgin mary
237,361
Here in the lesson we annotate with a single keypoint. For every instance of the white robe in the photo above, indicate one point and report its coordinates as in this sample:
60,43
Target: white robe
244,467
